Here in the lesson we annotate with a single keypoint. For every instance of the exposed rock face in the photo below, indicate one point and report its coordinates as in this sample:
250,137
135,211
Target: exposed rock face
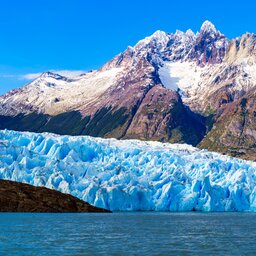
233,131
168,87
135,105
20,197
162,116
210,46
242,49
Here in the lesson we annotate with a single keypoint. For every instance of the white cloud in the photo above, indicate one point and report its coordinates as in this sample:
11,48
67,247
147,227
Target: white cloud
69,73
30,76
66,73
7,76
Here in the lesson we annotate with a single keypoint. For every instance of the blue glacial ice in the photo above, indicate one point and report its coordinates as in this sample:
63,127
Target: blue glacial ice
129,175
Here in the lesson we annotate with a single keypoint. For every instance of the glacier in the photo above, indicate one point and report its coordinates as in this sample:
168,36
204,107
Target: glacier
129,175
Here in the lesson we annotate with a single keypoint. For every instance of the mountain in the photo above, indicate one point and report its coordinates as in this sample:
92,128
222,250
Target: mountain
20,197
129,175
184,87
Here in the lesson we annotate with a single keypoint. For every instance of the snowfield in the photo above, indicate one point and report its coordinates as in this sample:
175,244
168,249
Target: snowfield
129,175
53,94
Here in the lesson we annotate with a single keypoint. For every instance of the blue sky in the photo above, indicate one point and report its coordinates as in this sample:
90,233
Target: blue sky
44,35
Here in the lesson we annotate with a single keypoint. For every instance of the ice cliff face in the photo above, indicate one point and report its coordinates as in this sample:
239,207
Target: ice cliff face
130,175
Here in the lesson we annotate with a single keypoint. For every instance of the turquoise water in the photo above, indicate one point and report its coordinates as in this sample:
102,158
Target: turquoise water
128,234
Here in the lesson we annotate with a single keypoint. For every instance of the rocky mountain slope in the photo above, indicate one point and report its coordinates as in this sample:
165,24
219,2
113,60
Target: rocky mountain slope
182,87
20,197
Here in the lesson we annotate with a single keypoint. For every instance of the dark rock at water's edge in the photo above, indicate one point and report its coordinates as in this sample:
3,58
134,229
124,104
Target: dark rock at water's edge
20,197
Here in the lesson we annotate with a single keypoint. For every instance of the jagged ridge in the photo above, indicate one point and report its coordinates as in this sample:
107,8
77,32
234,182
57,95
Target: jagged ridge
168,87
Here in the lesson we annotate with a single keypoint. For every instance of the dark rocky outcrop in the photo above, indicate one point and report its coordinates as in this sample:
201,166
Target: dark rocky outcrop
162,116
20,197
233,131
210,46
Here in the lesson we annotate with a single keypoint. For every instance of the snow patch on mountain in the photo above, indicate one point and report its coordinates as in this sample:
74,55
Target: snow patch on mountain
63,73
53,94
195,65
195,83
130,175
182,76
167,78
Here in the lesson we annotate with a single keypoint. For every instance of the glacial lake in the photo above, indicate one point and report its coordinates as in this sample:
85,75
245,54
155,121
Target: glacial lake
128,234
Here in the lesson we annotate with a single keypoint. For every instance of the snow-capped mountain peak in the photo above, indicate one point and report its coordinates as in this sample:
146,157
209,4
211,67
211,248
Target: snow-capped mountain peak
134,95
49,74
159,39
208,26
190,33
158,35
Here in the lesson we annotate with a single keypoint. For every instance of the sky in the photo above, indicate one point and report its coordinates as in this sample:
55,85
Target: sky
81,35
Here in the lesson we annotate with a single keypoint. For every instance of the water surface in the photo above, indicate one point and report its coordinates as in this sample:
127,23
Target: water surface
128,234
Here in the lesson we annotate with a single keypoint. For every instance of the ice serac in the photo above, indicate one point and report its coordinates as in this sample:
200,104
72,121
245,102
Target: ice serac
130,175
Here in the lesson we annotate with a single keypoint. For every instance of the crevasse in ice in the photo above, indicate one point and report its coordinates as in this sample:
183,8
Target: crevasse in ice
129,175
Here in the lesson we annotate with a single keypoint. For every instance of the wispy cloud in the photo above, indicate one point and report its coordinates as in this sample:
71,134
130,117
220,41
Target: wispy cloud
69,73
66,73
32,76
29,76
7,76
